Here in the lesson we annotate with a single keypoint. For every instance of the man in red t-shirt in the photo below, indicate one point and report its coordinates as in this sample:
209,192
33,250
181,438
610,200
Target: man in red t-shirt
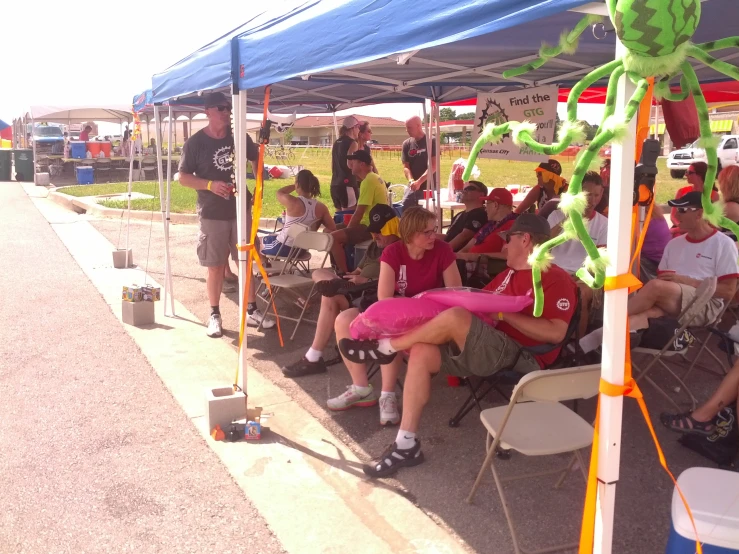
462,344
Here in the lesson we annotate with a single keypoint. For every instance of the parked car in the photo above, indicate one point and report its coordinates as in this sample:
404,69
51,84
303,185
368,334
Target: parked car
679,160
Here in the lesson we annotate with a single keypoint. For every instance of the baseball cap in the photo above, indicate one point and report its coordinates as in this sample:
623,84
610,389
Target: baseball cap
529,223
362,156
500,195
213,99
477,185
379,215
350,121
690,199
552,165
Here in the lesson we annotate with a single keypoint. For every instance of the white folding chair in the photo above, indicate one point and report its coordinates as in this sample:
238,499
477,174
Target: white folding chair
307,240
535,424
703,295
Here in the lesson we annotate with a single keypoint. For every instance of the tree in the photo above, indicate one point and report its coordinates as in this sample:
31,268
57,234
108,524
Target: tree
287,136
466,115
447,114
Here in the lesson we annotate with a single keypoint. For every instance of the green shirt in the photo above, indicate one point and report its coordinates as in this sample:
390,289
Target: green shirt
369,267
372,191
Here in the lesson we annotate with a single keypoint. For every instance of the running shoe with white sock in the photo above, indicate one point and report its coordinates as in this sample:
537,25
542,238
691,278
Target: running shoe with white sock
256,317
389,414
363,398
215,328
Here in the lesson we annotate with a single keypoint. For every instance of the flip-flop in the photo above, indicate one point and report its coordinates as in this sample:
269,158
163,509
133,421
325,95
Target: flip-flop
684,423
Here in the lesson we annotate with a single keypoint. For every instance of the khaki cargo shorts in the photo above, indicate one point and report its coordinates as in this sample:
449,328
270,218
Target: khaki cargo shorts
710,312
216,239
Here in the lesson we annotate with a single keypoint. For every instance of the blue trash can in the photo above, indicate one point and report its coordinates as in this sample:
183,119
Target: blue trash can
711,495
85,175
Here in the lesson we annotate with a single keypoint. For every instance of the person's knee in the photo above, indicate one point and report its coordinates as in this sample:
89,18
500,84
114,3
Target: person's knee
216,270
343,320
424,358
339,236
456,317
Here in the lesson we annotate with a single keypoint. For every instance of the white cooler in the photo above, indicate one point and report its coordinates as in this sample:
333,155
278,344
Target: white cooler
713,497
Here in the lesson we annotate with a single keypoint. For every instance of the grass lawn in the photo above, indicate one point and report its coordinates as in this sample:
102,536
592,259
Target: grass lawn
495,173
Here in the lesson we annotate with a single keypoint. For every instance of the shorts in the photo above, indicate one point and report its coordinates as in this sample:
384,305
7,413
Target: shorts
411,198
486,351
355,235
273,247
344,197
710,312
216,239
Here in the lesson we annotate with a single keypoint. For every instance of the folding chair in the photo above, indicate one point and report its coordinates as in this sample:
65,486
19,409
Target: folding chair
149,163
535,423
507,376
712,330
703,295
307,240
102,167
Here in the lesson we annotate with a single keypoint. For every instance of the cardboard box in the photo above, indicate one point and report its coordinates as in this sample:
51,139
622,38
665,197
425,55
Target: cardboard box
137,313
150,293
253,429
132,293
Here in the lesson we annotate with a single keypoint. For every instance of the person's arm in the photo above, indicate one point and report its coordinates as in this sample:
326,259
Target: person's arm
285,197
474,256
529,201
358,215
328,222
352,148
415,185
451,276
407,171
462,239
555,220
189,180
386,282
550,331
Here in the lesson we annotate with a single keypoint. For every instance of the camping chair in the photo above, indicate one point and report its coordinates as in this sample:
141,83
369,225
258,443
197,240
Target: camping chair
508,376
703,295
149,163
102,167
535,423
307,240
723,337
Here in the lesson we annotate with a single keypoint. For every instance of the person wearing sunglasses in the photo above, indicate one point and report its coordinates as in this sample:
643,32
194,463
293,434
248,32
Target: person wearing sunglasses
460,344
206,166
696,176
688,260
417,263
465,225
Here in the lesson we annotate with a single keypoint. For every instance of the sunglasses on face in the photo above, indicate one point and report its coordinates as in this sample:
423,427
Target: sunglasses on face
472,189
223,108
509,235
686,210
689,172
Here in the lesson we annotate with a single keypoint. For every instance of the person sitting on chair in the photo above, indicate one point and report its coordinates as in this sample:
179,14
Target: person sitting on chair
419,262
549,185
303,208
461,344
338,293
700,253
465,225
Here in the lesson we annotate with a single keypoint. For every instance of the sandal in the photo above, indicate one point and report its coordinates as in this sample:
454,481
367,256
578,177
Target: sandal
334,287
363,351
684,423
393,459
304,367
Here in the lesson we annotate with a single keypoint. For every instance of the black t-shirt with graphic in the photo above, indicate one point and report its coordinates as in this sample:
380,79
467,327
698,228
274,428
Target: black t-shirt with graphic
210,158
472,220
416,156
341,175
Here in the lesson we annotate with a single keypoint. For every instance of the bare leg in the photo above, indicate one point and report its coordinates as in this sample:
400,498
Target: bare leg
330,309
390,374
450,325
726,393
340,239
214,284
323,275
357,371
424,361
665,295
227,273
641,320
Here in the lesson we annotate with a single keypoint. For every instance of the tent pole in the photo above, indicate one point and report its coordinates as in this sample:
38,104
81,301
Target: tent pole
429,171
33,142
243,233
615,318
437,181
162,205
168,274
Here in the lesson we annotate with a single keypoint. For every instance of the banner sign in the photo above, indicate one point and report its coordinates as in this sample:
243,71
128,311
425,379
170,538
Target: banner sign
538,105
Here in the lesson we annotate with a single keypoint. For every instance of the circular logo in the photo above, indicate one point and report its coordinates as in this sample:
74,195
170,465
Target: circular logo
563,304
376,217
222,159
412,153
476,224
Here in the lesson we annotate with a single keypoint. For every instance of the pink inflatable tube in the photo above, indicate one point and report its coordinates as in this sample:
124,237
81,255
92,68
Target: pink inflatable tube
393,317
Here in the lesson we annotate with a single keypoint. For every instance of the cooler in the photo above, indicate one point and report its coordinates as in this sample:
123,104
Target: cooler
77,149
6,161
85,175
105,147
713,497
94,148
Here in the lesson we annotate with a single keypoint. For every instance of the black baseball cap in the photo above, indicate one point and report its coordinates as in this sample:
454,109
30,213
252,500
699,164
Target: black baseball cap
215,99
552,165
481,188
379,215
529,223
361,156
690,199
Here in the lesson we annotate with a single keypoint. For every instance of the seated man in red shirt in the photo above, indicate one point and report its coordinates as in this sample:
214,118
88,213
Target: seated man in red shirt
462,344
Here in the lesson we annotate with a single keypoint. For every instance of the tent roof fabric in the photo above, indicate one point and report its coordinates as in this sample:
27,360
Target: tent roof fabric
328,121
81,114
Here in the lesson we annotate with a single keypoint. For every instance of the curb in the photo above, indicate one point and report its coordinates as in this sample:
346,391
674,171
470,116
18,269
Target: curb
78,205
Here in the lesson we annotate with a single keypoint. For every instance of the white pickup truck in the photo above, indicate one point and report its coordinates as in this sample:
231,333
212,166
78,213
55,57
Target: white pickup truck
679,160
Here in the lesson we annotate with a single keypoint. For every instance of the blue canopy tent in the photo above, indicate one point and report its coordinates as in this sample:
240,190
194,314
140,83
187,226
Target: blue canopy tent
335,55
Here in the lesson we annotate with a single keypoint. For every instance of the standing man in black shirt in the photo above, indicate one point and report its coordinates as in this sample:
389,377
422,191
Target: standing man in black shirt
206,166
344,186
415,161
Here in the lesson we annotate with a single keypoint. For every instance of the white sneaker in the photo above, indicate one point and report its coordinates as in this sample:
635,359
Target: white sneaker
351,398
215,328
256,317
389,414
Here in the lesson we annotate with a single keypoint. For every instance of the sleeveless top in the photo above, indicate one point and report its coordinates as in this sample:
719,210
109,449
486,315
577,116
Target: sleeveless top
308,217
341,175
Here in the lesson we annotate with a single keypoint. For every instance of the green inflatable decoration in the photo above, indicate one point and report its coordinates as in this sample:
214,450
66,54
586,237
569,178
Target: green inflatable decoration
656,34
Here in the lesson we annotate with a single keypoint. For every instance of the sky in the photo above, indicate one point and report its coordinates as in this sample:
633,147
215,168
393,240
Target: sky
101,53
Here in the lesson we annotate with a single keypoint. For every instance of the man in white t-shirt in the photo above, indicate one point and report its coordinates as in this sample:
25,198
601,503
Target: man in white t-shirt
570,256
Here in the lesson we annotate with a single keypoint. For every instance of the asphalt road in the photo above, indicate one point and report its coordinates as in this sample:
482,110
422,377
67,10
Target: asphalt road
96,456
